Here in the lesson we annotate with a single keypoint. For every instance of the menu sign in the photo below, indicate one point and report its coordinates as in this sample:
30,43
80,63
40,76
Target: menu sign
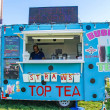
45,15
12,45
11,68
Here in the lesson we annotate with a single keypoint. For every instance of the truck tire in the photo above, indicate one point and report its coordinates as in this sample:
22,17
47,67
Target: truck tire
65,103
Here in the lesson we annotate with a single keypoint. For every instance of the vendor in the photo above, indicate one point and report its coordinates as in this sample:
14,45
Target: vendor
36,55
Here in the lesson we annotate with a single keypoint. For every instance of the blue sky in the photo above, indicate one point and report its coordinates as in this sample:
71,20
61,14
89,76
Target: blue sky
17,11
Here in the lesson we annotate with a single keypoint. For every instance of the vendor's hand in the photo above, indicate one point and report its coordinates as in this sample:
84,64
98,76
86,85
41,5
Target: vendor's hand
43,58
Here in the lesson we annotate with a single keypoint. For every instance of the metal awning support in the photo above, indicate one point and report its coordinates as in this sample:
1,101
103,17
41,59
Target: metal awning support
81,67
20,36
20,67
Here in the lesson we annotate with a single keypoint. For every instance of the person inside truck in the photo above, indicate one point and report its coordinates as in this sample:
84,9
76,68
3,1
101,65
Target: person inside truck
36,55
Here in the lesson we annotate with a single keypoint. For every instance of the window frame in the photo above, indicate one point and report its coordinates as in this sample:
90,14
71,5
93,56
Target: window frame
75,32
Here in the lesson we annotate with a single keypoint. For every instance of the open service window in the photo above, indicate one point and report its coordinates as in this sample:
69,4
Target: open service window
53,45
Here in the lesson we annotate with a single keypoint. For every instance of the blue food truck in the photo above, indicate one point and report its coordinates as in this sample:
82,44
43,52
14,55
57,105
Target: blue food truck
75,64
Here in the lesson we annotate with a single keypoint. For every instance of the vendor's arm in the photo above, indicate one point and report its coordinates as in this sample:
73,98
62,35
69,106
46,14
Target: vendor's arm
30,56
43,56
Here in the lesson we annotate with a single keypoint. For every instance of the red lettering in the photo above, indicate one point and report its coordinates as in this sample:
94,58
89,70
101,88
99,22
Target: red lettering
32,89
65,90
59,90
46,76
37,76
95,56
3,96
53,76
77,91
31,76
63,77
86,56
47,90
70,76
42,90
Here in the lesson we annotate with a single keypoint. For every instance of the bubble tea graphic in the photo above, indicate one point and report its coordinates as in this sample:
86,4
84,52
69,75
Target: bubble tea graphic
102,49
108,51
101,53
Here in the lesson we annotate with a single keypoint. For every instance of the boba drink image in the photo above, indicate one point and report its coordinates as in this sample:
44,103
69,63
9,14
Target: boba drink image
108,53
102,53
108,50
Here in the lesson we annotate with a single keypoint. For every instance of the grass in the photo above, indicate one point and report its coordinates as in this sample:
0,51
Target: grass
42,105
90,105
29,105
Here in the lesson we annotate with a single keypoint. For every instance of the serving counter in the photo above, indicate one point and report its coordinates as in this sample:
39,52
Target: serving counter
50,61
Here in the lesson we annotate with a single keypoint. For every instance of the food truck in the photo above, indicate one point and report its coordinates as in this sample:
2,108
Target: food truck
77,61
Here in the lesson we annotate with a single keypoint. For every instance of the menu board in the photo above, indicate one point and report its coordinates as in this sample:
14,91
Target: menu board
11,68
12,46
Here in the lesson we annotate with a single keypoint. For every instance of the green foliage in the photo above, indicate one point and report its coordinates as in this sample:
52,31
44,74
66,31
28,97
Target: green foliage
90,105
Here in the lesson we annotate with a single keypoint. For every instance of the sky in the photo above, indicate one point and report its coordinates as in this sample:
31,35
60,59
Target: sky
17,11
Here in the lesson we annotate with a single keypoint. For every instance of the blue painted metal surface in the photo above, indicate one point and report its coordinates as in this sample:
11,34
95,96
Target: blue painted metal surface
85,87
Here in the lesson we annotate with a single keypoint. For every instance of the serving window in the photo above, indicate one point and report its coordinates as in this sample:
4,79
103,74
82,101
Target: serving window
55,47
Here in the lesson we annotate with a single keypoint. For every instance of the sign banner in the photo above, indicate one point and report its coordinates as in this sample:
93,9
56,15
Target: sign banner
64,77
44,15
103,48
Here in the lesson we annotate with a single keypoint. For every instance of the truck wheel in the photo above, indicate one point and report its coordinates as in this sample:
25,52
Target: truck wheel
64,103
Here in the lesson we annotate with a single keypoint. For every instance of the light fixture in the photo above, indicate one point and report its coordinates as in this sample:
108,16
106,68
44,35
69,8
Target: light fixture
70,37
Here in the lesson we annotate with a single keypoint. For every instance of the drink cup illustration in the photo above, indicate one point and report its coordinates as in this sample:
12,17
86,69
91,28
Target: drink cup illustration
102,53
108,53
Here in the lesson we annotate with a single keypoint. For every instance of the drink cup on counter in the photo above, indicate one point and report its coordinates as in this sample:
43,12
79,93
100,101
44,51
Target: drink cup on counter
68,57
53,56
26,56
102,53
60,57
64,58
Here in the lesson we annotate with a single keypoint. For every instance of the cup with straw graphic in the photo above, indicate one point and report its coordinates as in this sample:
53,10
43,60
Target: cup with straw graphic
108,51
101,51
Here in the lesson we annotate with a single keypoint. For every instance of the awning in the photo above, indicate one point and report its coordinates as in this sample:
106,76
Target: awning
53,32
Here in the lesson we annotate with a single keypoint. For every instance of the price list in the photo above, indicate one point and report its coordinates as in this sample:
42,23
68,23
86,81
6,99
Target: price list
12,46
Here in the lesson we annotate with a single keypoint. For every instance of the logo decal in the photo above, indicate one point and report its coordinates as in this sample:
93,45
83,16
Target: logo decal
91,50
